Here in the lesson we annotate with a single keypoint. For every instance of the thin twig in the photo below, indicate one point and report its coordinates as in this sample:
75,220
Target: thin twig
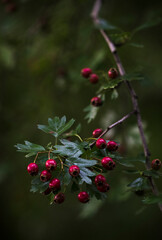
120,121
94,15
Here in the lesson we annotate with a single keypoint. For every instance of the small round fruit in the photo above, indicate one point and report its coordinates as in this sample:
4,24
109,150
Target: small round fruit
156,164
47,191
100,143
100,180
86,72
32,169
108,163
94,78
83,197
112,146
96,101
112,73
51,164
45,176
59,198
74,170
104,188
97,132
55,184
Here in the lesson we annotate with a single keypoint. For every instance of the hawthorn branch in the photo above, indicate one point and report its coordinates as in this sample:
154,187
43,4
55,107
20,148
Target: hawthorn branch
134,98
114,125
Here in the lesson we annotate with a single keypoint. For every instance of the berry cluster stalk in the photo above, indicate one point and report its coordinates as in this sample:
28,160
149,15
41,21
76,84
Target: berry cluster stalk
94,15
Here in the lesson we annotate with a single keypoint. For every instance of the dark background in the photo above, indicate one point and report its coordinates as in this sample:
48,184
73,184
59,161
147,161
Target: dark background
43,46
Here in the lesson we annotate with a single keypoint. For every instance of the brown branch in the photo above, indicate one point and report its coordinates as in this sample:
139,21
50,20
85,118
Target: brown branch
94,15
113,125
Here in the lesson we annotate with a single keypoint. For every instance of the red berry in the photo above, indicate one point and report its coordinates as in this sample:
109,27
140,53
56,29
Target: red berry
55,184
97,132
100,180
83,197
156,164
104,188
47,191
32,169
94,78
51,164
108,163
96,101
86,72
45,176
74,170
112,146
59,198
100,143
112,73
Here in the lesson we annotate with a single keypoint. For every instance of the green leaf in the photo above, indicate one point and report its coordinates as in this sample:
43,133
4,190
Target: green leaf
38,186
125,163
30,148
114,94
132,76
67,177
120,39
104,24
90,209
150,23
111,84
131,171
137,183
7,56
137,45
91,112
56,126
151,173
153,199
69,148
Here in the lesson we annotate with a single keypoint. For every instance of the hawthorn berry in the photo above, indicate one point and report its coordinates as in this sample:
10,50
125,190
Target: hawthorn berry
97,132
100,143
51,164
47,191
59,198
32,169
45,176
86,72
108,163
74,170
96,101
112,73
94,78
104,188
156,164
55,184
83,197
112,146
100,180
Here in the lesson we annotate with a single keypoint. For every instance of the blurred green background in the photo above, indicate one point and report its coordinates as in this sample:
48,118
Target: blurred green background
43,46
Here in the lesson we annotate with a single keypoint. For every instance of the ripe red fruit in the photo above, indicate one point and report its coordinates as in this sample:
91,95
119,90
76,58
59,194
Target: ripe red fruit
55,184
83,197
51,164
100,180
45,176
112,146
108,163
112,73
104,188
156,164
59,198
74,170
94,78
96,101
100,143
86,72
97,132
32,169
47,191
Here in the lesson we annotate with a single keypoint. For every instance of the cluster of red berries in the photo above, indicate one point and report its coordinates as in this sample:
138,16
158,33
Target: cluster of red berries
10,6
87,73
93,78
55,184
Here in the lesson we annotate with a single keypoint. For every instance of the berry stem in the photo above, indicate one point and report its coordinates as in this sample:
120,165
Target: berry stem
79,137
134,98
